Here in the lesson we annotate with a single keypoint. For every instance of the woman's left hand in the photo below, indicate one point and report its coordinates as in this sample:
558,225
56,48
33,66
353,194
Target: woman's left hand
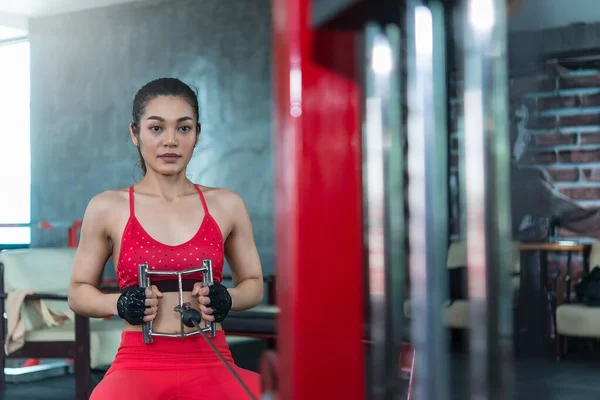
215,301
202,293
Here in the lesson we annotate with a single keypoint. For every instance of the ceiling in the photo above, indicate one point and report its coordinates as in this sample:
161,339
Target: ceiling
548,14
534,14
14,14
38,8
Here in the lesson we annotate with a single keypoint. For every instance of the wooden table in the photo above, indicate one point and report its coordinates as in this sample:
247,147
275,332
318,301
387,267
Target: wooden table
535,324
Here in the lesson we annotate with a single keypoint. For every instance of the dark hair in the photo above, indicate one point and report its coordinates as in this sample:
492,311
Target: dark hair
151,90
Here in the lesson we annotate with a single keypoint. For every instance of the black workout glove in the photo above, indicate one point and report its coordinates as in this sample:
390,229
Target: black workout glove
131,305
220,301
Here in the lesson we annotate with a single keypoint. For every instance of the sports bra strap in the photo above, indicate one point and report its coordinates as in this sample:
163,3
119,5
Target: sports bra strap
131,208
203,201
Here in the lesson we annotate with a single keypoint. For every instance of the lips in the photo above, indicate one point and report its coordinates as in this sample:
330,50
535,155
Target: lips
169,157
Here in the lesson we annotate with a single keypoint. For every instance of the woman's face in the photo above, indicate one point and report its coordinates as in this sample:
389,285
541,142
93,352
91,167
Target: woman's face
168,134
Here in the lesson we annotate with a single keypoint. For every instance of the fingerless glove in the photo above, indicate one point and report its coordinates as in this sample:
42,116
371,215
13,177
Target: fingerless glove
131,305
220,301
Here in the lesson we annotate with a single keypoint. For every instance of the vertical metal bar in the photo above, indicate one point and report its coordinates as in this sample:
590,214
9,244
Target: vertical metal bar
180,289
208,280
487,196
440,139
207,263
373,192
144,281
427,168
384,207
180,292
396,227
453,107
462,179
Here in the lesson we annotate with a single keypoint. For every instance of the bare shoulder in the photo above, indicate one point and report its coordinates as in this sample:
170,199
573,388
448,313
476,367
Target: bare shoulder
224,199
103,205
107,200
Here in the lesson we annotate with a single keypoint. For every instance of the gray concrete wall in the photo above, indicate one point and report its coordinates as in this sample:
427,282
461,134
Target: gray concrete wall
85,70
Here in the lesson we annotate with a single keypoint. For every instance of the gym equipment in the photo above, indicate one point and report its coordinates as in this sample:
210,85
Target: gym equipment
186,310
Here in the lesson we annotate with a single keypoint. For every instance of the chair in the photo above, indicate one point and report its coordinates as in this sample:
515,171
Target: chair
44,275
575,319
456,313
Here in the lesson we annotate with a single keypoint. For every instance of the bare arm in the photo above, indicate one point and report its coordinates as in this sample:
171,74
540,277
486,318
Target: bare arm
243,259
92,253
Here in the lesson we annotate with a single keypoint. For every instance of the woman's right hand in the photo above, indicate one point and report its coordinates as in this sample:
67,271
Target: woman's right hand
152,296
137,305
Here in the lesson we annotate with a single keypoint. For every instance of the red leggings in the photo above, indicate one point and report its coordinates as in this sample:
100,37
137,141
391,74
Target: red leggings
173,369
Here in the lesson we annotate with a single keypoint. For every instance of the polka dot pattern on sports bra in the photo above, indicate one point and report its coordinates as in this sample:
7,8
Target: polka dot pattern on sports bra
138,247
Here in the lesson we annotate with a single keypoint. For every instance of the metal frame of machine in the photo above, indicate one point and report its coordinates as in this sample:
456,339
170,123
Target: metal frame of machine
319,226
331,114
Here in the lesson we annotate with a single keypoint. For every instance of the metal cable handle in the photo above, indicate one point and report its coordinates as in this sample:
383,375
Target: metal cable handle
144,275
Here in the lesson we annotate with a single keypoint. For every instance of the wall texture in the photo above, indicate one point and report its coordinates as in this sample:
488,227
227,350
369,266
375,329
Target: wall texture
86,68
565,129
563,123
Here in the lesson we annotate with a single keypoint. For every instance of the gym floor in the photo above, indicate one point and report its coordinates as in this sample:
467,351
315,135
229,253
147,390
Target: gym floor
539,379
548,380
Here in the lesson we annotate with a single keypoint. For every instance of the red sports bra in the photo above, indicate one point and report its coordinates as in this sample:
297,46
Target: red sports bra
138,247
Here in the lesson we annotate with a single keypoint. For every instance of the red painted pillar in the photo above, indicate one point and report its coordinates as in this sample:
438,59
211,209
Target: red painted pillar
318,201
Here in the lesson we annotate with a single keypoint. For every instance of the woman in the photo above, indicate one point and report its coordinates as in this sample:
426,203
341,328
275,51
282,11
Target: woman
171,224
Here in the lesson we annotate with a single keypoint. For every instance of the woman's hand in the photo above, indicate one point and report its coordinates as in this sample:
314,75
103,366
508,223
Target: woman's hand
201,292
152,297
214,300
137,305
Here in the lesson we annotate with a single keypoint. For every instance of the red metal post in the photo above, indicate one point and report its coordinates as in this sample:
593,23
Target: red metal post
319,246
73,234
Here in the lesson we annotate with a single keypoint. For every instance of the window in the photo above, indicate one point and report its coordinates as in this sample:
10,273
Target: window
15,159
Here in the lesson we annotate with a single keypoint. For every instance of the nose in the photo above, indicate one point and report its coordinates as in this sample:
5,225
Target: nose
170,139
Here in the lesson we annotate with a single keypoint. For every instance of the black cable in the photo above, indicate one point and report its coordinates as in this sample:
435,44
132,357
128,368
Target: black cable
192,315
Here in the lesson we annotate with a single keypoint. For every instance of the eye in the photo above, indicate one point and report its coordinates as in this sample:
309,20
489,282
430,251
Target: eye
185,128
155,128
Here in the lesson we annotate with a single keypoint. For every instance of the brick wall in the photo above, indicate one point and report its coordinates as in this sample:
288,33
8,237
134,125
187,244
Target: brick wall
564,122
